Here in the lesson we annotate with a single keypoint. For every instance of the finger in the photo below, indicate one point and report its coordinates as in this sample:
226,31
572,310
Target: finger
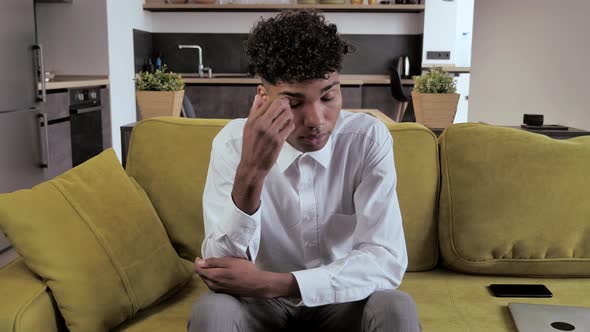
280,121
216,263
199,269
205,273
286,130
259,106
277,107
200,263
209,283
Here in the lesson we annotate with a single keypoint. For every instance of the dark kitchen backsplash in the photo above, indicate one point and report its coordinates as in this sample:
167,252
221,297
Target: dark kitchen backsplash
224,53
143,48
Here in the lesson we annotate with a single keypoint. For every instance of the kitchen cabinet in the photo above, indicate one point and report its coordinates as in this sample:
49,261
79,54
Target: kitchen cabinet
60,149
60,132
221,101
56,105
59,153
351,96
234,101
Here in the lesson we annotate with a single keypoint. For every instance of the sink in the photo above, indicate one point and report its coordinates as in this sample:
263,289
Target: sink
219,75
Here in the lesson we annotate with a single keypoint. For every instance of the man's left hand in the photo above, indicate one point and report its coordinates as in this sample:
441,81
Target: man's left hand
234,276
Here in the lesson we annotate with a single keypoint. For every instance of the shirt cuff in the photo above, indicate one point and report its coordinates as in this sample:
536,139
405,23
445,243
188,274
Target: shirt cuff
242,229
315,286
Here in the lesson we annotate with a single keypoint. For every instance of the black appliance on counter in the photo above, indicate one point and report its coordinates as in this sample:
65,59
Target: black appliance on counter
85,124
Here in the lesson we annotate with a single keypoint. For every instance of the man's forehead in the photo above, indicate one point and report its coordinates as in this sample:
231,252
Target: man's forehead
300,89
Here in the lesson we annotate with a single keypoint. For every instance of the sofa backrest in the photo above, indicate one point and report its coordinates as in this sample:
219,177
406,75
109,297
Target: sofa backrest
169,158
415,151
514,203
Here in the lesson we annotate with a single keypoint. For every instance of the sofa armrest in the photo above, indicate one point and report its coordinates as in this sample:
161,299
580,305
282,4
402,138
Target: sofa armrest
25,301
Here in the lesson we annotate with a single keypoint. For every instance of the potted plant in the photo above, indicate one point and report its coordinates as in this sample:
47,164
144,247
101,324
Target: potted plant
159,93
435,98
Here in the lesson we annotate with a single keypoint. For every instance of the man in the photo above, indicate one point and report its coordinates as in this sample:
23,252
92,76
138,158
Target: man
302,222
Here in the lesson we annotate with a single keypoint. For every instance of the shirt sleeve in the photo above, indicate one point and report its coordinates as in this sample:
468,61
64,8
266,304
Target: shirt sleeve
378,259
228,230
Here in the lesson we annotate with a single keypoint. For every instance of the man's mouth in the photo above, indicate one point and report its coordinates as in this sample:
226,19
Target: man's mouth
314,140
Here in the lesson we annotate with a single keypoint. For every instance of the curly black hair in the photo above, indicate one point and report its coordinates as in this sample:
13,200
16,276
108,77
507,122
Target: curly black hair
295,46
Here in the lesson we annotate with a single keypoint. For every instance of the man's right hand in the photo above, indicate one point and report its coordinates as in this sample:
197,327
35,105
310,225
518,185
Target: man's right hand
266,130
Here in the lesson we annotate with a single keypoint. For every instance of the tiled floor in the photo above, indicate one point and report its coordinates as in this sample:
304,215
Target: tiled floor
7,256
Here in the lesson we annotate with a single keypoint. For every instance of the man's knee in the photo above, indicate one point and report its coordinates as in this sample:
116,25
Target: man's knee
391,308
216,312
392,300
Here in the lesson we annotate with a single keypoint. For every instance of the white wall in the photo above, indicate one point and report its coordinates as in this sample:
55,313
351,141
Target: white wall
348,23
123,17
463,33
74,36
445,23
531,56
440,26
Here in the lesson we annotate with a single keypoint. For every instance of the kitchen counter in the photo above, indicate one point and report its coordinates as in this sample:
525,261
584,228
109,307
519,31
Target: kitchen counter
448,68
75,81
344,80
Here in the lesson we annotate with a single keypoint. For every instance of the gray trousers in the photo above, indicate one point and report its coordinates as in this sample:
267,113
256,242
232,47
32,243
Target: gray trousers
390,310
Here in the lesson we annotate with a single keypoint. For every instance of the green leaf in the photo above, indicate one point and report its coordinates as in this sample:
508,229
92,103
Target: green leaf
435,81
160,80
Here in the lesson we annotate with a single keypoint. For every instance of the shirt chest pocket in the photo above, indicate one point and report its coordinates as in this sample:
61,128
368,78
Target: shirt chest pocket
337,234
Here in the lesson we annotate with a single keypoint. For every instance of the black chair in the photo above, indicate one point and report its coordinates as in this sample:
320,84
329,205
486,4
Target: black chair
404,102
187,108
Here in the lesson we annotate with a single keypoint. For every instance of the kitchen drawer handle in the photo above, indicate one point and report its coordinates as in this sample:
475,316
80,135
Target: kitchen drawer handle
40,73
82,110
44,128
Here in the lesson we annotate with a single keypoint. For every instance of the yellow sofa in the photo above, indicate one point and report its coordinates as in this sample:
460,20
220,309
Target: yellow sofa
481,205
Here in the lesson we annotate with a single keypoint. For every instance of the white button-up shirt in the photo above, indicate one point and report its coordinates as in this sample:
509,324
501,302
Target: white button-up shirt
330,217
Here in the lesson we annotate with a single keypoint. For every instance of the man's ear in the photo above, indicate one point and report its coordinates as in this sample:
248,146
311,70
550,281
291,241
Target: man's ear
261,91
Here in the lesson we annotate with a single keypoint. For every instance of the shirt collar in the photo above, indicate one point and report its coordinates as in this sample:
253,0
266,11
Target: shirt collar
289,154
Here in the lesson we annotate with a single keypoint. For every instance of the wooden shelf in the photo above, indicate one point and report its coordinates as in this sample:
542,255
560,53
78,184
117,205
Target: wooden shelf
192,7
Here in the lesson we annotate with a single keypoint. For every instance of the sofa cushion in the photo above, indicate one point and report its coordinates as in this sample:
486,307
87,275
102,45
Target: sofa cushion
514,203
446,302
30,306
169,158
93,237
416,162
453,302
169,315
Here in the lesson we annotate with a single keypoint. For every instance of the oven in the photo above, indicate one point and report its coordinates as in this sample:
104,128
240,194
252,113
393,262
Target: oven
85,123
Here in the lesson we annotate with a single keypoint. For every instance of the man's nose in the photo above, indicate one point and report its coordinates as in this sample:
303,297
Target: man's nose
313,116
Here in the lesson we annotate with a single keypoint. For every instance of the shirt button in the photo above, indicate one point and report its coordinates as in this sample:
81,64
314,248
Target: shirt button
310,244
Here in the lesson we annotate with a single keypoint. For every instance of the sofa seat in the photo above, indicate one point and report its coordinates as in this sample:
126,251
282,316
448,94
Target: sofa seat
170,315
449,301
26,303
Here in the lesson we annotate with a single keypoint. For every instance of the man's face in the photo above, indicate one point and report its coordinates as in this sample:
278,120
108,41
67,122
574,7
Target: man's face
315,104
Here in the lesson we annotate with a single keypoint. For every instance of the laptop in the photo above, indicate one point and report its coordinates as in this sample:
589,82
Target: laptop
549,318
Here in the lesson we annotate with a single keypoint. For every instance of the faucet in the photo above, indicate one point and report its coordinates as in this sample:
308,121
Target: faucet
200,68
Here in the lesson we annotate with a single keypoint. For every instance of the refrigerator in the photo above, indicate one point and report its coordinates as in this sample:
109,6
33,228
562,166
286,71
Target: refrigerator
23,135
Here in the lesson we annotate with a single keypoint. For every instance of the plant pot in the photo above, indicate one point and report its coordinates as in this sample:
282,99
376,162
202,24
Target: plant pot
159,103
435,110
